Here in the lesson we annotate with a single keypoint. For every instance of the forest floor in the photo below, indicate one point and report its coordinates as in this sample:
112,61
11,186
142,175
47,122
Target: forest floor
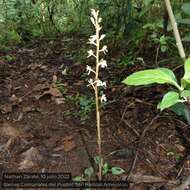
45,125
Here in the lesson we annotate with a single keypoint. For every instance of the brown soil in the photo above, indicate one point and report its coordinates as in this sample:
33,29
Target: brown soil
34,116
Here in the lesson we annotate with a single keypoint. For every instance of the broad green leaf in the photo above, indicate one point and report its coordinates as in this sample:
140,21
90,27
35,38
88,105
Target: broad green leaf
186,8
117,171
187,69
185,83
160,76
168,100
181,110
185,93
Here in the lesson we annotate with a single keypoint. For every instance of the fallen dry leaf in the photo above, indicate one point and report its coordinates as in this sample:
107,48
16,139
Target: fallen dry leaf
68,144
27,109
19,117
26,164
31,158
180,147
35,66
11,132
68,138
52,91
11,143
7,108
40,87
33,154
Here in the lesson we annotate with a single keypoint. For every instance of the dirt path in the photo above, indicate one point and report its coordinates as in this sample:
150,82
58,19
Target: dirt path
40,131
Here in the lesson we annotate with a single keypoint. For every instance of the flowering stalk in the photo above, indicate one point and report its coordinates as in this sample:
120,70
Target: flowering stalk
96,82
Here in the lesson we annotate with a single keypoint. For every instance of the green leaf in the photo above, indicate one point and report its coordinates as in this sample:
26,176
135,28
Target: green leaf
168,100
117,171
163,48
160,76
97,160
146,8
79,178
186,8
185,93
187,69
89,172
181,110
105,168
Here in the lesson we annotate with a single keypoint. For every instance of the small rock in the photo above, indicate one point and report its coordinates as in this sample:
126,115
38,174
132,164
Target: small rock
33,154
13,98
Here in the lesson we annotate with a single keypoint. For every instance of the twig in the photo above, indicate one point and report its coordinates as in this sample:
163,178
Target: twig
157,53
124,112
180,171
148,126
177,67
142,102
140,142
132,128
154,168
137,179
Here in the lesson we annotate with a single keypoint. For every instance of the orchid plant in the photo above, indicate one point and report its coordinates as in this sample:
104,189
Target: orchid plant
95,82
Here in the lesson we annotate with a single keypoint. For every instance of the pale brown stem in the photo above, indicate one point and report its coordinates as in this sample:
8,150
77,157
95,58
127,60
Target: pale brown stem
175,29
99,141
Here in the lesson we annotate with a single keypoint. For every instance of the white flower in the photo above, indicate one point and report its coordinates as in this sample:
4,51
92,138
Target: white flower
90,53
100,20
100,83
104,84
89,69
92,39
91,82
104,49
102,36
103,98
94,13
103,63
93,21
99,28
